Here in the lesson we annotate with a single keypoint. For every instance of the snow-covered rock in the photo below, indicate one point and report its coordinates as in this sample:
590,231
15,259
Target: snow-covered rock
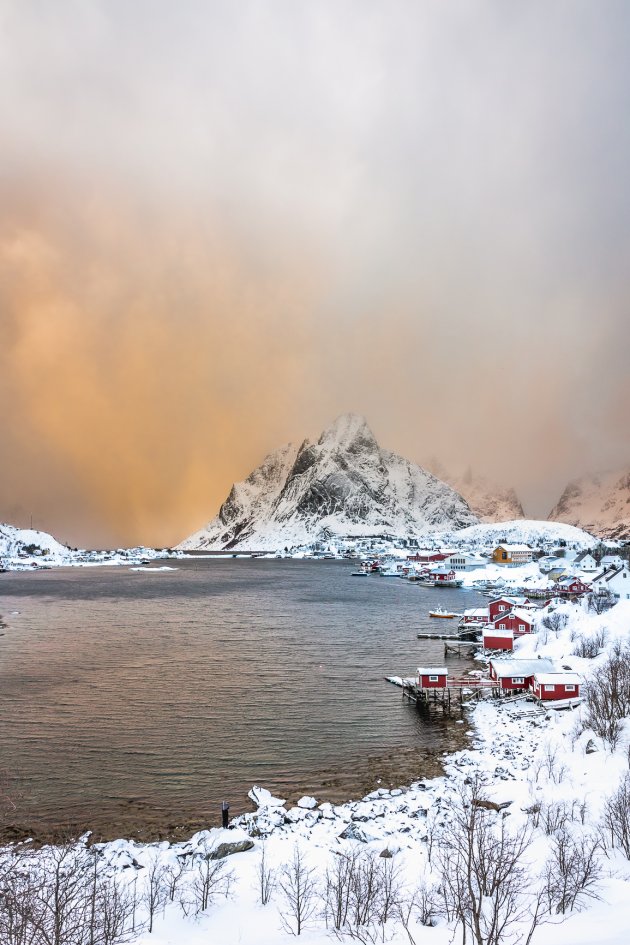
600,504
264,798
343,485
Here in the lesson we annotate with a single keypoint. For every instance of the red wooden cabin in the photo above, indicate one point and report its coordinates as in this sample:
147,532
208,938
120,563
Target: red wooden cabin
432,678
494,639
550,686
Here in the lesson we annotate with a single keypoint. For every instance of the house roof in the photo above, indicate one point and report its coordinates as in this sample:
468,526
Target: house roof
514,547
561,679
515,667
494,631
476,612
433,671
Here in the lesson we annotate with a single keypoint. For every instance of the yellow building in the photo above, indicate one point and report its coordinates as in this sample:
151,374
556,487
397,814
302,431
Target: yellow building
512,554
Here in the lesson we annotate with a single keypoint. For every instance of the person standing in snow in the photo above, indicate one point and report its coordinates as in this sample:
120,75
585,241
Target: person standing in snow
225,807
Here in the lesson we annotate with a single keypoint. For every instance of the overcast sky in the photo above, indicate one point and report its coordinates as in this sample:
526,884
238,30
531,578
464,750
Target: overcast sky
222,224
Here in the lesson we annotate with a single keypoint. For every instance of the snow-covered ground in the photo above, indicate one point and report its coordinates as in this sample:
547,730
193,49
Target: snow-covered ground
27,548
519,531
537,765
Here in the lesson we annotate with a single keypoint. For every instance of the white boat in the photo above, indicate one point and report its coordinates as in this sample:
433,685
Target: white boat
440,612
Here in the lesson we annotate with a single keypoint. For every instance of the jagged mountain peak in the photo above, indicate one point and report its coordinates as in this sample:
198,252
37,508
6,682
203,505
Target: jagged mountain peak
599,503
349,431
344,484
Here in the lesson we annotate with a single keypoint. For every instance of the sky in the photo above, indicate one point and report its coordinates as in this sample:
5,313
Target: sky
223,224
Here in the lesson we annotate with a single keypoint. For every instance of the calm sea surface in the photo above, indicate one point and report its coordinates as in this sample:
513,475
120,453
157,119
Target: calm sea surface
136,701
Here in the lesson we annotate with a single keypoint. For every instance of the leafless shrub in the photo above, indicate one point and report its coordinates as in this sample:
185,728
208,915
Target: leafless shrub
608,696
300,893
62,896
485,881
554,816
573,872
210,879
590,647
549,764
617,817
555,621
155,889
266,877
599,603
173,876
340,884
576,731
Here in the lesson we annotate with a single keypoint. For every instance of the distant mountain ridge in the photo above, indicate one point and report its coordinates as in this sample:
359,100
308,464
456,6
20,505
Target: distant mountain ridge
345,484
488,501
597,503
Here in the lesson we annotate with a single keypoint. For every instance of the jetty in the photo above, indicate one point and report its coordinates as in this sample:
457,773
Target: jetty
456,689
454,642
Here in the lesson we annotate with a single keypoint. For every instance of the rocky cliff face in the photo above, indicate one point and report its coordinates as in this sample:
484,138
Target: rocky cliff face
342,485
599,504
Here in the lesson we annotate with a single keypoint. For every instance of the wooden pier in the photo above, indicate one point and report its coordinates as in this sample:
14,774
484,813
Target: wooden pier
458,690
453,643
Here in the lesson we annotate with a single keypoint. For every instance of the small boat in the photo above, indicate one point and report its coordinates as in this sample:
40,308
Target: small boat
359,574
440,612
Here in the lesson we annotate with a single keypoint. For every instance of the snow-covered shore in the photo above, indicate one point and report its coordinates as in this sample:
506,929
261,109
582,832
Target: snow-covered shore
529,760
28,549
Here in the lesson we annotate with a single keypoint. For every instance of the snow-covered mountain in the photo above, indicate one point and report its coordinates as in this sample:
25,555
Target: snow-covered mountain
599,504
522,531
343,485
489,502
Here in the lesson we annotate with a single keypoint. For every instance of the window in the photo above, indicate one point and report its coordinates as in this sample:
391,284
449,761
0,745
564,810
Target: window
521,626
433,678
518,680
570,688
551,688
501,606
501,626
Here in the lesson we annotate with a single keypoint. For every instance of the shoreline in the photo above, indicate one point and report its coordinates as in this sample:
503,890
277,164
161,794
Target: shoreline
394,769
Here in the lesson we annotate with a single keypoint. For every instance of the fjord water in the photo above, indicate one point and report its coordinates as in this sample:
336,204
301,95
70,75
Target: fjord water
135,701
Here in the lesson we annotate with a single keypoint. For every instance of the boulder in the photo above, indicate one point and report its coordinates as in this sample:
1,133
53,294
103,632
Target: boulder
227,849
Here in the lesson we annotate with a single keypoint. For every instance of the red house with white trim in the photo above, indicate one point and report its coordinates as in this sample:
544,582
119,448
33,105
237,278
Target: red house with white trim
514,675
553,686
501,605
432,678
518,621
572,586
476,615
494,639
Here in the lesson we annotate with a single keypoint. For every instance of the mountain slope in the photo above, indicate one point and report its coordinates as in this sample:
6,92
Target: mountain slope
600,504
343,485
489,502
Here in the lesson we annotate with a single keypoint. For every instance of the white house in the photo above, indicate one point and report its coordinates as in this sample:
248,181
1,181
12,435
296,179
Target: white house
615,581
466,561
585,561
612,561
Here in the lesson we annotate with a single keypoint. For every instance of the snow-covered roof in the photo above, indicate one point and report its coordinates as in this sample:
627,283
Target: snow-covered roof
522,615
560,679
440,671
496,632
514,547
476,612
515,667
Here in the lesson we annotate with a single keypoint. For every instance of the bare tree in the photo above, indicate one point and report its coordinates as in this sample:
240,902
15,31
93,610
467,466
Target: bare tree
485,880
608,696
266,877
300,893
211,878
155,889
617,817
573,872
